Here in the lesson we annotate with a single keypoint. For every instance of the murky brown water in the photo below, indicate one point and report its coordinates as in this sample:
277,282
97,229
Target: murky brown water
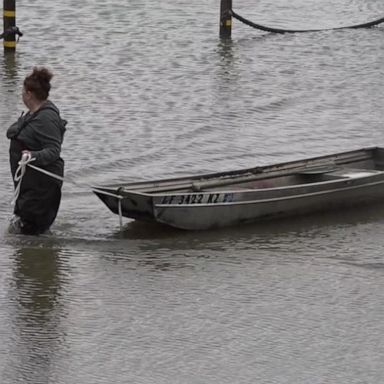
150,91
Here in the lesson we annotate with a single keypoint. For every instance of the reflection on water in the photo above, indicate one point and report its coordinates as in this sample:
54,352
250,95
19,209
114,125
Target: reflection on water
35,316
269,229
10,67
10,84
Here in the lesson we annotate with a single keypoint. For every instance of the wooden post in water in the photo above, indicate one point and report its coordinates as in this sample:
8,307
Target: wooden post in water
225,19
9,17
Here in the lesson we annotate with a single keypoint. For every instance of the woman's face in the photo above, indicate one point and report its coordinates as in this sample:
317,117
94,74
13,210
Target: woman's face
26,95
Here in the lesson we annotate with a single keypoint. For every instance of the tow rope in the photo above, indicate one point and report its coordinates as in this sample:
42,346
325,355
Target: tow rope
27,159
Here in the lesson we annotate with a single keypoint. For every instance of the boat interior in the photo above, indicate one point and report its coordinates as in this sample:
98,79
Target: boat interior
316,174
348,165
299,178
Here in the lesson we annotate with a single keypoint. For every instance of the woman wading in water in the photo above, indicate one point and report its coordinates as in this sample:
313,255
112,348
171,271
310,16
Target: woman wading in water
39,135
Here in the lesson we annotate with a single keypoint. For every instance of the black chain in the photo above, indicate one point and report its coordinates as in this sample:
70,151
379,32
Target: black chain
278,30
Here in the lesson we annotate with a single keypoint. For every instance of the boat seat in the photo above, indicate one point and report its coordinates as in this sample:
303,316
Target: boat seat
353,173
338,173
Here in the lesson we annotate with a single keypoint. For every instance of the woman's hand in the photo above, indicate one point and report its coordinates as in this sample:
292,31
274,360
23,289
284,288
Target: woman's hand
26,155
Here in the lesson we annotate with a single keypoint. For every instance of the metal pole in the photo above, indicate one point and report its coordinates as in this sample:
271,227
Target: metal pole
9,17
225,19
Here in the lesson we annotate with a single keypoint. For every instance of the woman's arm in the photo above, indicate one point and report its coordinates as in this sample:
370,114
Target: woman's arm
47,138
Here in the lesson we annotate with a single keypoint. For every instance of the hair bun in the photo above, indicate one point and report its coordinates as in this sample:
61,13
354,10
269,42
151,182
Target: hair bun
39,82
42,74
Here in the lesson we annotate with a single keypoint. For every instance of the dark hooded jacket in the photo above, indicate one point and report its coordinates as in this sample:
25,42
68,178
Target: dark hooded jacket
42,134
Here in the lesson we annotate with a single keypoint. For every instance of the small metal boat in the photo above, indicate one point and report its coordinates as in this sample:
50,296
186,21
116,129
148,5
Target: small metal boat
200,202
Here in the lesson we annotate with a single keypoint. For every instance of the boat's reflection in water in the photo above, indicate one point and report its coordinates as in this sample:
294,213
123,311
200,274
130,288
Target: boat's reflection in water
297,239
318,220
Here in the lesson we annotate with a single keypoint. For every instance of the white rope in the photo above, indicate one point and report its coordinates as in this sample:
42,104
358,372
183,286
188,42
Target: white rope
20,171
26,159
53,175
120,214
119,200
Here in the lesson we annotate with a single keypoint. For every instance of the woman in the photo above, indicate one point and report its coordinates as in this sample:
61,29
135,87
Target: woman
39,133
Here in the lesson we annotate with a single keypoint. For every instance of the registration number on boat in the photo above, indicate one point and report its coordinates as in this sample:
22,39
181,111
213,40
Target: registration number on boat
199,198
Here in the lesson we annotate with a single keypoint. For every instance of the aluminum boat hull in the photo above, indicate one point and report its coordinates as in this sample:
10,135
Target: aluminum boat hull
341,180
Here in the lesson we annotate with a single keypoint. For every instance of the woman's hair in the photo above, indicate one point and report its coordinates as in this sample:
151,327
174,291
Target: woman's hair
38,82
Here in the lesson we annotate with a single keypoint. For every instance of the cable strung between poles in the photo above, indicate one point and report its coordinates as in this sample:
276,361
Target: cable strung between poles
279,30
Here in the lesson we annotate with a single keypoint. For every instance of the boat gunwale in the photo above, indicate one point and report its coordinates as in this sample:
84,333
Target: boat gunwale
126,193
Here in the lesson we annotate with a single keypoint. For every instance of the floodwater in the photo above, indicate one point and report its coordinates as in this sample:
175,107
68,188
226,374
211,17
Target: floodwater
150,91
